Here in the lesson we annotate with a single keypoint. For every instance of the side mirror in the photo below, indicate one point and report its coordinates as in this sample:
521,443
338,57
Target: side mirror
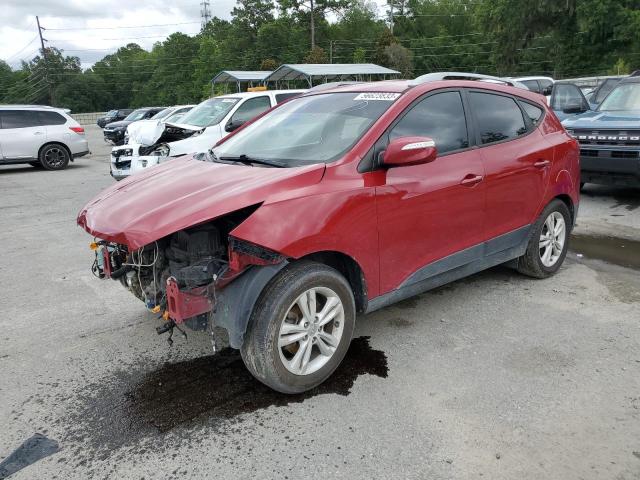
405,151
574,108
233,125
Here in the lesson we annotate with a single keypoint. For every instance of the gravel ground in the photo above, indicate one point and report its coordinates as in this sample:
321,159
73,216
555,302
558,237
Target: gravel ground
496,376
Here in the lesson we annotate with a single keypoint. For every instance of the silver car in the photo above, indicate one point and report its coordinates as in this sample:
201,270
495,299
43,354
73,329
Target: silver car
41,136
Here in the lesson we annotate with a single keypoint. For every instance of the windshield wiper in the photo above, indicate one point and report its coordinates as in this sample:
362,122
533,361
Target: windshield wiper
249,160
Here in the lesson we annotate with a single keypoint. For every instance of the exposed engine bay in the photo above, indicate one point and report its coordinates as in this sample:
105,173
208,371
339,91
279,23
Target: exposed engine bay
171,133
178,276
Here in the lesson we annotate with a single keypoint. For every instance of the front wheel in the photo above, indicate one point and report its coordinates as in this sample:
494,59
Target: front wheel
301,328
549,242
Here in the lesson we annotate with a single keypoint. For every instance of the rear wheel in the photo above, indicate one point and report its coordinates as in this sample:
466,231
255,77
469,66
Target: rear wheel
301,328
549,242
54,157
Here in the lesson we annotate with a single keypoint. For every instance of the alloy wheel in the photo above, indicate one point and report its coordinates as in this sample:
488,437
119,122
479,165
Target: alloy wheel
311,331
552,239
55,157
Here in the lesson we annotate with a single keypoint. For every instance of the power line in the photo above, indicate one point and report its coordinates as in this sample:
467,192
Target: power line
128,26
22,49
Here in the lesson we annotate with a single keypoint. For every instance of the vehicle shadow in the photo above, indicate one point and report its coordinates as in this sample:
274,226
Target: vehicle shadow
211,390
22,168
625,196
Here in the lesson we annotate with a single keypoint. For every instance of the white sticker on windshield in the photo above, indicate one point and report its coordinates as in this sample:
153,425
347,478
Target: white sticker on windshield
229,100
388,97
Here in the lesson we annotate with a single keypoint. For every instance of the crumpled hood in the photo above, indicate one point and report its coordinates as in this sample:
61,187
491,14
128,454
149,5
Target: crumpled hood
605,120
148,132
182,193
145,132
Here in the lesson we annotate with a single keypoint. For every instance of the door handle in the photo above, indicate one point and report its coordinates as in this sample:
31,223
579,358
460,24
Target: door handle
542,163
470,180
38,133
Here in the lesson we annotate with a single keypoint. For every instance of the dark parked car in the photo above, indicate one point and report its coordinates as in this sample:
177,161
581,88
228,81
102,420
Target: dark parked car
114,132
609,137
113,116
341,201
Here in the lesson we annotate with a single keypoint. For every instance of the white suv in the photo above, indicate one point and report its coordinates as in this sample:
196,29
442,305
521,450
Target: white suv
196,132
40,136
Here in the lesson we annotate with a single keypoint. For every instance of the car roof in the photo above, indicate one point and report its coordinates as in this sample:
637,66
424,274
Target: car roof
630,80
403,86
257,94
533,77
32,107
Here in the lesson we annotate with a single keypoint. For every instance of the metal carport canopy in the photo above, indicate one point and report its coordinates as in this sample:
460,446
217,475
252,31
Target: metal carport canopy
328,71
234,76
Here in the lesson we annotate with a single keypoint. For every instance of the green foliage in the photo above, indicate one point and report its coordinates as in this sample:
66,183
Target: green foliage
561,38
316,55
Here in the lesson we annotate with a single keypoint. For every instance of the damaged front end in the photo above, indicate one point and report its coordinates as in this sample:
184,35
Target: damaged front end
201,277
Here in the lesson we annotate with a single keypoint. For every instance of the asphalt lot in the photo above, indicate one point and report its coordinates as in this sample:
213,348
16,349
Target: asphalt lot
496,376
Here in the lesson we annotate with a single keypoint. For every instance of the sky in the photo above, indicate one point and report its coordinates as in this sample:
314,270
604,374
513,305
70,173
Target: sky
93,22
87,28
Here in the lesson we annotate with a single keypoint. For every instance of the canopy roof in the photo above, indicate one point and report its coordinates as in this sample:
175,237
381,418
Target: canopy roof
234,76
327,71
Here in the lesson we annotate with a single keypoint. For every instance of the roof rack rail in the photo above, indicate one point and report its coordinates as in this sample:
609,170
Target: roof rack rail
436,76
330,85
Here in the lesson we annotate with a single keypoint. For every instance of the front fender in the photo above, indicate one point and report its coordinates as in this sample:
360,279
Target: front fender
339,221
235,302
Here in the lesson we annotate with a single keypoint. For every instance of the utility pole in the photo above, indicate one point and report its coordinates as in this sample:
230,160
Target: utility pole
205,13
45,60
313,28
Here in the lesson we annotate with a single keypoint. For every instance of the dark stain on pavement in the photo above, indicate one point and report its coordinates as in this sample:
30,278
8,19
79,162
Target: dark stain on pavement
609,249
33,449
209,391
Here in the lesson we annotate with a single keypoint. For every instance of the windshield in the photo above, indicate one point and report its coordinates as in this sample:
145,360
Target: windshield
136,115
111,113
623,97
209,112
175,117
307,130
162,113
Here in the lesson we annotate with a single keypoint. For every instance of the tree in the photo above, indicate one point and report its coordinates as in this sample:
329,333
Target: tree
359,55
399,58
316,55
268,64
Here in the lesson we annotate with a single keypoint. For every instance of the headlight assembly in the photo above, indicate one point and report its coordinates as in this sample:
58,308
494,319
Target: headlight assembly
161,151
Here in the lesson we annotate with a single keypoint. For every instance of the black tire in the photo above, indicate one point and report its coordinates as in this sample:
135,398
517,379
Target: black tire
35,164
260,350
54,157
530,263
582,185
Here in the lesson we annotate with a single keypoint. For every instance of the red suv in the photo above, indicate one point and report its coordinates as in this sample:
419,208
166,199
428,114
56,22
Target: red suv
341,201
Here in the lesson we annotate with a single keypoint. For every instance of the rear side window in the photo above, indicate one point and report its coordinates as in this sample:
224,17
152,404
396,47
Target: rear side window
51,118
532,85
281,97
498,118
440,117
606,88
251,108
19,118
533,112
566,94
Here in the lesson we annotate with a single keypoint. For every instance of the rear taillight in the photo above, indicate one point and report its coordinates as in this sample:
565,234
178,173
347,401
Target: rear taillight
78,130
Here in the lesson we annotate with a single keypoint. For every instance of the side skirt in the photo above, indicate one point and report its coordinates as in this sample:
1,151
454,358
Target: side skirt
504,248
